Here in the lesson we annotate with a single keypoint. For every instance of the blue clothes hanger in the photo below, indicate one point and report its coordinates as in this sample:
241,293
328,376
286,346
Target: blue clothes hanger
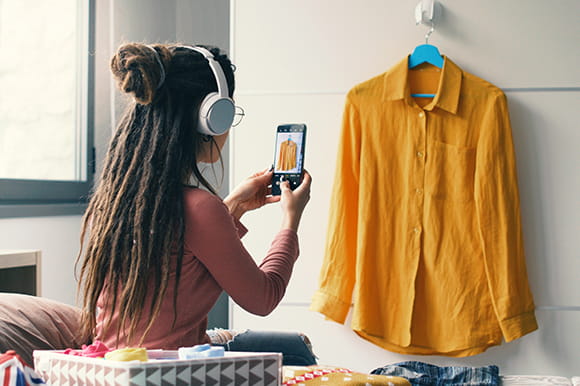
425,53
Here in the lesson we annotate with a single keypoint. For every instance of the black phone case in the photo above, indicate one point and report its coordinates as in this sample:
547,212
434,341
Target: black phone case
294,178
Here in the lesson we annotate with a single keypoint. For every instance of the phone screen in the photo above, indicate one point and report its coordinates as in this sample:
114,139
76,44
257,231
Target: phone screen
289,155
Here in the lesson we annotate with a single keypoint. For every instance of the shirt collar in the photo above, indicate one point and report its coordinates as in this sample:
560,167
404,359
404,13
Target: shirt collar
447,97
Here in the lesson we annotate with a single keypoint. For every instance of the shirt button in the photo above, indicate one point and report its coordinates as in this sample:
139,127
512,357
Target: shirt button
419,191
421,115
420,154
416,229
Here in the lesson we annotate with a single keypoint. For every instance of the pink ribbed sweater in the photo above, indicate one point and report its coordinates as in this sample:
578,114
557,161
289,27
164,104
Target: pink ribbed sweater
215,260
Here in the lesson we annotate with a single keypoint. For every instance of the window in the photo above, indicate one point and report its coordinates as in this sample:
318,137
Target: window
46,112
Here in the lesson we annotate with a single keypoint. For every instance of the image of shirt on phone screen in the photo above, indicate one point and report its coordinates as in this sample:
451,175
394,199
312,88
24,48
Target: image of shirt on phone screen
288,158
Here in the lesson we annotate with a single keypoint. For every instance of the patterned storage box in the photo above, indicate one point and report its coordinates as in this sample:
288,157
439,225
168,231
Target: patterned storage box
163,368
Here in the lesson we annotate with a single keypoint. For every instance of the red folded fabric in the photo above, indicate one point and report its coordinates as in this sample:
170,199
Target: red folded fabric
97,349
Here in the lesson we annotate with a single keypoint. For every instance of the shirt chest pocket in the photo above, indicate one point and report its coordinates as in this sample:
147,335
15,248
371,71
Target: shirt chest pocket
450,171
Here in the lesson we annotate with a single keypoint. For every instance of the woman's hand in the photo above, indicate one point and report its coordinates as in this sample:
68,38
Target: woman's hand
294,201
253,193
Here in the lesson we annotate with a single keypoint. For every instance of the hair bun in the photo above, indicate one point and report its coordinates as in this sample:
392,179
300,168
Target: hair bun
139,70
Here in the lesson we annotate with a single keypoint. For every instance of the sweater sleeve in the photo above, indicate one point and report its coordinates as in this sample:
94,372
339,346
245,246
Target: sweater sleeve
214,237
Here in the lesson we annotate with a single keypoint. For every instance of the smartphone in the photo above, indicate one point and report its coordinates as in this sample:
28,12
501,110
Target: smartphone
289,156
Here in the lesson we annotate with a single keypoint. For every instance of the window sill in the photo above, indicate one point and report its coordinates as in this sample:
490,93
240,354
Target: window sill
42,210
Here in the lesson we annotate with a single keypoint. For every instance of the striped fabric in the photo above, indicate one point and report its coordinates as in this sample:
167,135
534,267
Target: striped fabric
15,372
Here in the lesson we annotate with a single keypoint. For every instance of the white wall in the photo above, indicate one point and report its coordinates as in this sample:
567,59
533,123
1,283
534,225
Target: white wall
296,61
58,240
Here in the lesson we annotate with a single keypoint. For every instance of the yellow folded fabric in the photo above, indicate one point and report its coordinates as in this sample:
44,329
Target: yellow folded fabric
128,354
331,376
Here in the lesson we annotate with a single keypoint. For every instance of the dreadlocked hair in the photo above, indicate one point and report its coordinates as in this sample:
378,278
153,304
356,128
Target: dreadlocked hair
134,218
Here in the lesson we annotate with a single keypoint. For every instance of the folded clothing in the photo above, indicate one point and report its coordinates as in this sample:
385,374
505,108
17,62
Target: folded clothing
332,376
200,351
295,347
537,380
420,373
14,371
97,349
128,354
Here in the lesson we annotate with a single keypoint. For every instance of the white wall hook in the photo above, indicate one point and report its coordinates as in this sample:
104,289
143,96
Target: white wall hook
427,12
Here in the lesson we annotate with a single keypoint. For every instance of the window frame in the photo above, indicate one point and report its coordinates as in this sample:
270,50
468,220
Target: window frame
31,198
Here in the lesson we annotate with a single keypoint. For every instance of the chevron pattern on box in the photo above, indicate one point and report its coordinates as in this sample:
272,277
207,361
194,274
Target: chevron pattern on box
212,371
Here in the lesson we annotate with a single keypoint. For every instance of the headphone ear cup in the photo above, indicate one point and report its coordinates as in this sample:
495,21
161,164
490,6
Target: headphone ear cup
216,114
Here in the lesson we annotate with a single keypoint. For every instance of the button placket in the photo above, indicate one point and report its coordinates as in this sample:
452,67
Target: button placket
420,180
423,126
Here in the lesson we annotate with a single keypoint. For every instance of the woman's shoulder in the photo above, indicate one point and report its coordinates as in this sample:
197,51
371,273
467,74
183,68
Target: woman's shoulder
203,207
199,199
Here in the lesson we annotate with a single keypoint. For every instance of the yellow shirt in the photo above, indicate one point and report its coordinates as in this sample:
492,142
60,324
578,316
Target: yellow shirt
287,157
424,236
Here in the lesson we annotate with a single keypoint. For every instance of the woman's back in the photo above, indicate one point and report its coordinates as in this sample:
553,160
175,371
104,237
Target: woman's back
214,260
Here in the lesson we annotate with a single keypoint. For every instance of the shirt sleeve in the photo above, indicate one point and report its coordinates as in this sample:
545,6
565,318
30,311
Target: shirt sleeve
498,210
337,276
240,228
214,238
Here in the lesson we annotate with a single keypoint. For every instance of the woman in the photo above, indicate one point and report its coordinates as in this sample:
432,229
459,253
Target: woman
158,251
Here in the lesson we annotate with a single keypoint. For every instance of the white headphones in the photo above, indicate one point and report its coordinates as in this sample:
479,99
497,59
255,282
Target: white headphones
217,110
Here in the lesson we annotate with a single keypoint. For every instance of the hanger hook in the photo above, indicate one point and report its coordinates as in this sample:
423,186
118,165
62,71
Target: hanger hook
428,35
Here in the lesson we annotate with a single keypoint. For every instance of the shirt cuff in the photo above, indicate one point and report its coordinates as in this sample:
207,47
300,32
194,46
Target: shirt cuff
330,306
518,326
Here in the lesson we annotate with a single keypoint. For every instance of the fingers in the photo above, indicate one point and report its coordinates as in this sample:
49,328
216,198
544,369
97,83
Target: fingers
263,178
272,199
307,177
262,172
306,182
284,185
258,174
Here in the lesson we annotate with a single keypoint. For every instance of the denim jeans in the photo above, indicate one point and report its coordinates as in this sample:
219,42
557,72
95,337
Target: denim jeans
295,347
419,373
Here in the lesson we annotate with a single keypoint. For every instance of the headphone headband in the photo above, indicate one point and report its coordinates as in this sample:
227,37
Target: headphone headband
215,68
217,110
